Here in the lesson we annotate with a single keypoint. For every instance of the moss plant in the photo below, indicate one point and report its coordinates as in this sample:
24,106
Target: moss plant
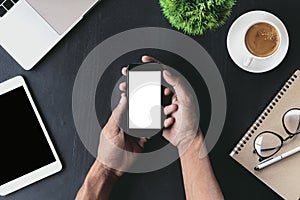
195,17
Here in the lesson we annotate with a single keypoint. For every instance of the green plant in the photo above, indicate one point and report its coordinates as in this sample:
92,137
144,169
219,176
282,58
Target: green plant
195,17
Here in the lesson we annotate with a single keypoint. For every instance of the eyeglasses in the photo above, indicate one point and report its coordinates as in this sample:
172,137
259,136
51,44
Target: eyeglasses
268,143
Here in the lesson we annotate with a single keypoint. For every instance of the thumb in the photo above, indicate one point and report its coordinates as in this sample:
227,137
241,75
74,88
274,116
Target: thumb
175,82
120,109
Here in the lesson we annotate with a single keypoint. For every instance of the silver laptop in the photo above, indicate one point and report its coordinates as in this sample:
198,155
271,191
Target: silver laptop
30,28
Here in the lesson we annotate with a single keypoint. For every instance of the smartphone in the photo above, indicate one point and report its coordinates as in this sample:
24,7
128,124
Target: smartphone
144,93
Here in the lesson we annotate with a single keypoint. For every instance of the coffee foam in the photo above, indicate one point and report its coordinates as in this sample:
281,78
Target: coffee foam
262,39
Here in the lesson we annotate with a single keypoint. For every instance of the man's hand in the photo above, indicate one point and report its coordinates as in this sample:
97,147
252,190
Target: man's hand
183,124
181,129
115,147
114,153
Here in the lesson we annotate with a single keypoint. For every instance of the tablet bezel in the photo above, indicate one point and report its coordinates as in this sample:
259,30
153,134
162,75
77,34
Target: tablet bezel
42,172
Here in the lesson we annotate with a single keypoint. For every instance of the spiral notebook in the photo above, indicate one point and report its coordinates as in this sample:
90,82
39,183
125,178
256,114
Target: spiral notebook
284,176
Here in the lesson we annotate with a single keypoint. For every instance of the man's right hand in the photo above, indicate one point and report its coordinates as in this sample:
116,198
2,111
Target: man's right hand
183,124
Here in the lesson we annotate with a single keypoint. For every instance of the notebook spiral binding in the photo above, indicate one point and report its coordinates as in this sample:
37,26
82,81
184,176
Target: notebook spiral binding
263,116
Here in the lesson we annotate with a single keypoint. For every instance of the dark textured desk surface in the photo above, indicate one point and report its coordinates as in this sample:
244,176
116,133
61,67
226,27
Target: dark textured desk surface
51,83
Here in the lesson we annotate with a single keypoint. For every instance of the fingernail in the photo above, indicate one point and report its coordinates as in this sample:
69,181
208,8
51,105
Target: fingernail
167,73
142,58
121,100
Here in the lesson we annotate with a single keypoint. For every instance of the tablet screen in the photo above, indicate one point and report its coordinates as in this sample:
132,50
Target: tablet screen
23,145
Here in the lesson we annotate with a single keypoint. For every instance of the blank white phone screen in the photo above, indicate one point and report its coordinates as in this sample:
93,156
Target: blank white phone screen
144,99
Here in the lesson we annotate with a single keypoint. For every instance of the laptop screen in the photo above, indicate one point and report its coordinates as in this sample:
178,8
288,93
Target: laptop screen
61,14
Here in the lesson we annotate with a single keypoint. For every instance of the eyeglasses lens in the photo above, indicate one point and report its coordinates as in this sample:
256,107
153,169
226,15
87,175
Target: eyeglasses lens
266,144
291,121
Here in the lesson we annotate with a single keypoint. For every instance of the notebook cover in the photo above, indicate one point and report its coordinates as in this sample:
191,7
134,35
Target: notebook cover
284,176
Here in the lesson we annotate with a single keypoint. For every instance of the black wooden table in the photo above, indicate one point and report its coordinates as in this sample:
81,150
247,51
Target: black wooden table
51,83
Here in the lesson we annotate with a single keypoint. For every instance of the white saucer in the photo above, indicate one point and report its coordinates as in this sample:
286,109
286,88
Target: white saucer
235,40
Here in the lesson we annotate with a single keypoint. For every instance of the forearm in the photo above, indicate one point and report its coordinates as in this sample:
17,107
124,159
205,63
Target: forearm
198,176
98,183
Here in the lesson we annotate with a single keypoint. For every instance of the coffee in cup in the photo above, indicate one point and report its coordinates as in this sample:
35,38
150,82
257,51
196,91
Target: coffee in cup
262,39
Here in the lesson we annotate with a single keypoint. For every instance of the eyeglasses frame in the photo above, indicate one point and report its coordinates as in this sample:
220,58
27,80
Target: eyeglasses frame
290,136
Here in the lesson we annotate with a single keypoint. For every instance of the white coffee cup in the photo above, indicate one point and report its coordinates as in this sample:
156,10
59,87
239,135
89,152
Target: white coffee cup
249,57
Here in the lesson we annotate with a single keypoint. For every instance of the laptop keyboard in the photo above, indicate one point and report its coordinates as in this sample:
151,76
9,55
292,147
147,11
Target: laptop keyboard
6,5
